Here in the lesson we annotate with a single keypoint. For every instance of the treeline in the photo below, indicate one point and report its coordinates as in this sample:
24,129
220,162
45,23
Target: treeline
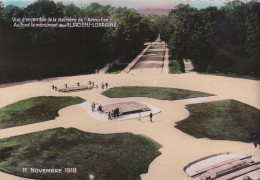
36,53
225,40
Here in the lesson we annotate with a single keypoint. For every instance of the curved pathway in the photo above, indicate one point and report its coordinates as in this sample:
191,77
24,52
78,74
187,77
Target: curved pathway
178,148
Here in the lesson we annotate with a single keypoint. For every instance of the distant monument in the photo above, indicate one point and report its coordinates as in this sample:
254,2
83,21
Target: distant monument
126,107
158,38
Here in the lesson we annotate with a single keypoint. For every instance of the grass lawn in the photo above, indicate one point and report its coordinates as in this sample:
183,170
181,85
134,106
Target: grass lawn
222,120
153,92
108,157
175,67
34,110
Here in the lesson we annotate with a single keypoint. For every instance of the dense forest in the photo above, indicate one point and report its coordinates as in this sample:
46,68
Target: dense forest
36,53
225,40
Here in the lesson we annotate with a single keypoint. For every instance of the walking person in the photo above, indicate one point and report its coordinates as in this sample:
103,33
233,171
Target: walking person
92,106
109,115
53,86
78,83
66,85
139,116
117,112
112,114
151,117
254,139
106,85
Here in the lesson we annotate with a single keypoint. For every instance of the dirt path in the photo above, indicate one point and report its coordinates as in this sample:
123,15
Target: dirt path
156,57
178,148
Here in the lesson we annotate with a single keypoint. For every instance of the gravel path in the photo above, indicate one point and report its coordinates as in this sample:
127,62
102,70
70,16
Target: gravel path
179,149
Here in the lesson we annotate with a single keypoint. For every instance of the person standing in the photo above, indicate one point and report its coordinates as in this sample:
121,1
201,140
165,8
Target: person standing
106,85
117,112
112,113
151,117
109,115
254,139
92,106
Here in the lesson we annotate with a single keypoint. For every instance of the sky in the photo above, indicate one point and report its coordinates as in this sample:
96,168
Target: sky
165,4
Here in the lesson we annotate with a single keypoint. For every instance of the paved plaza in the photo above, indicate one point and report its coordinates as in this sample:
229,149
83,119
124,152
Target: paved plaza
178,149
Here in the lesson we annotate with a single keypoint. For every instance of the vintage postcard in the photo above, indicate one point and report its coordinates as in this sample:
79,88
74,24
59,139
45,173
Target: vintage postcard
130,89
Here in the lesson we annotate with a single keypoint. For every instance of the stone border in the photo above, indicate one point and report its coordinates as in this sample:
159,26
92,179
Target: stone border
134,62
104,117
165,69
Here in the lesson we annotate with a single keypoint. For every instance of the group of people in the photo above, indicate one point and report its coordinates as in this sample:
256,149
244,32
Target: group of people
91,83
100,108
115,113
103,85
93,106
65,85
54,87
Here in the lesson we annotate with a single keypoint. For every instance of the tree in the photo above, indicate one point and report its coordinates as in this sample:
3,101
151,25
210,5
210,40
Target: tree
131,32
